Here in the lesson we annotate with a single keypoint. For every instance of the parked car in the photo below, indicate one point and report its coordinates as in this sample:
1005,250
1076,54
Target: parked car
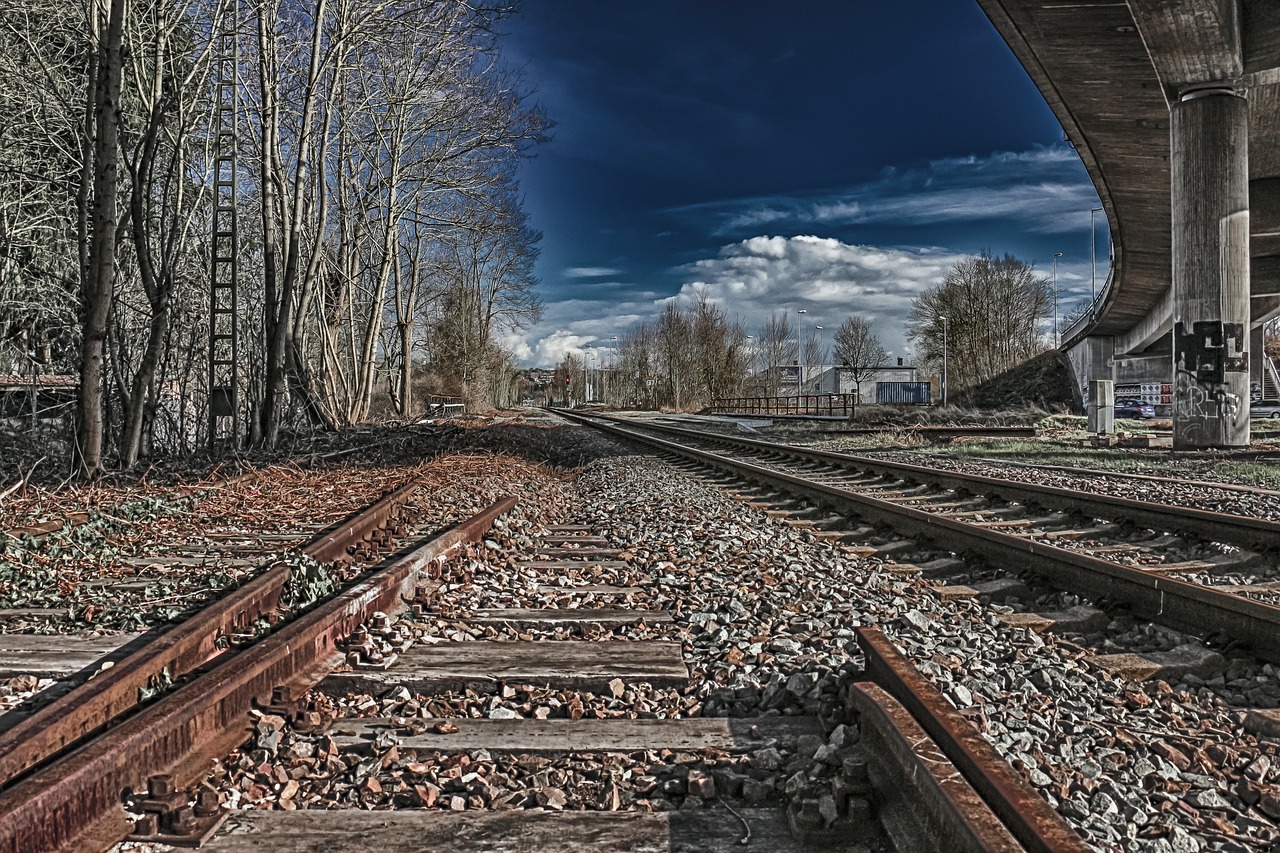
1134,409
1265,409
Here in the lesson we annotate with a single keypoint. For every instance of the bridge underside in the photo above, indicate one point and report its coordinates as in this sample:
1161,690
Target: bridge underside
1174,107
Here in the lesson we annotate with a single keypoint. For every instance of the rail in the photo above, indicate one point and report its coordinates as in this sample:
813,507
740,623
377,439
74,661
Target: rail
76,802
1256,534
1032,821
180,650
1181,604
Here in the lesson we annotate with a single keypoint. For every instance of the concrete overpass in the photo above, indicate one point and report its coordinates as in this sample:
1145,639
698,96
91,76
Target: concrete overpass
1174,107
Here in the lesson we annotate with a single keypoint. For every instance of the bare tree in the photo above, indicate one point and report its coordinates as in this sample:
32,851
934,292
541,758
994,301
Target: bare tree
43,86
381,141
490,287
721,351
676,356
97,289
636,360
777,347
858,352
813,355
170,117
993,307
569,383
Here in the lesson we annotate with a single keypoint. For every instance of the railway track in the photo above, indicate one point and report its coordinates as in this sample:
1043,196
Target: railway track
516,685
66,772
1117,550
45,808
588,652
943,432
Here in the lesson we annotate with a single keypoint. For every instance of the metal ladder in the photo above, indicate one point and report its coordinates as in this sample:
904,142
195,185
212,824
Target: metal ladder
224,262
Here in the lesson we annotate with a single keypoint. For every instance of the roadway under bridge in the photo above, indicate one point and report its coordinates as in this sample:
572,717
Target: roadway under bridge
1174,107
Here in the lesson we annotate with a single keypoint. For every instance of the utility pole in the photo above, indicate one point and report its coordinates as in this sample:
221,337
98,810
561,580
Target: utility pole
613,368
944,361
800,350
817,330
1056,342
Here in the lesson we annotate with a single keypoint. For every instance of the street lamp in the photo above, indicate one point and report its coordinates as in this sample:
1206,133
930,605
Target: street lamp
818,330
1093,254
799,347
1056,342
944,361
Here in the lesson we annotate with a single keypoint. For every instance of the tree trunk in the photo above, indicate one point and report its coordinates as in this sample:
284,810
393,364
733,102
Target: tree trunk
99,284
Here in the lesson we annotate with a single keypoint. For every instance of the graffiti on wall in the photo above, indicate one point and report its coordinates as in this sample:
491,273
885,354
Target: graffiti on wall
1203,359
1211,350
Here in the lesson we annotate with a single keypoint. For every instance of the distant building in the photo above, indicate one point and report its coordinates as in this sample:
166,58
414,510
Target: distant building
833,379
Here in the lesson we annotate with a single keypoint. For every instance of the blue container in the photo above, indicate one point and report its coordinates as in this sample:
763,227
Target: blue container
904,393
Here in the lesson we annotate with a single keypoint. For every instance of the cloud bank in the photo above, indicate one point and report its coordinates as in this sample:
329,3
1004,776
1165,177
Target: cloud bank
829,279
753,278
843,251
1044,188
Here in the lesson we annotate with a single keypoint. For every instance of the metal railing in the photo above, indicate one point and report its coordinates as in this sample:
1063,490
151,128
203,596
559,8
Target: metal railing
804,404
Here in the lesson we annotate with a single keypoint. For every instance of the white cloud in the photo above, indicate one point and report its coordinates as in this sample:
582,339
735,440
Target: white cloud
550,350
829,279
1045,190
752,279
577,326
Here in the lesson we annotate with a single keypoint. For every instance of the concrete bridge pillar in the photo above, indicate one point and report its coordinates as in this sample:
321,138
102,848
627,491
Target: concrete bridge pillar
1091,359
1209,135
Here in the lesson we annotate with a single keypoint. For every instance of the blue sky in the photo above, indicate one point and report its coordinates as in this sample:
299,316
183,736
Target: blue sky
837,156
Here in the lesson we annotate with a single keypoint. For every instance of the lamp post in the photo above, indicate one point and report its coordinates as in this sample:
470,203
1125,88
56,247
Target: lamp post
1093,254
799,347
1056,342
818,331
944,361
613,366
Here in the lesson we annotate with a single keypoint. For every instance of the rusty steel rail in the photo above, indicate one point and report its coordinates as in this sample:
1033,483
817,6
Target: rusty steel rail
1255,534
77,801
1031,820
1180,604
178,651
923,797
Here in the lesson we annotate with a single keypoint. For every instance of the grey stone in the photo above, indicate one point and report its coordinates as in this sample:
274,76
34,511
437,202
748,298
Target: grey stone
501,713
766,759
757,792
